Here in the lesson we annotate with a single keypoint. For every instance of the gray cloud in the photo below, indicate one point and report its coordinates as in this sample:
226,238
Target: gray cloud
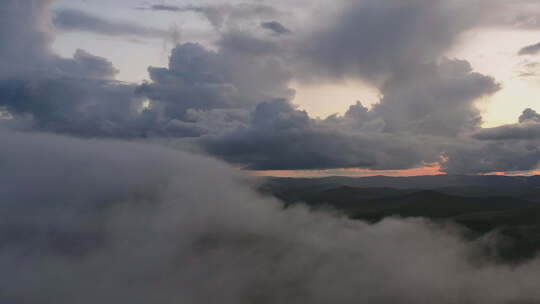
233,99
514,147
67,95
161,7
220,15
529,115
373,39
276,27
282,137
74,20
503,155
113,222
442,105
525,131
410,126
26,35
243,72
530,49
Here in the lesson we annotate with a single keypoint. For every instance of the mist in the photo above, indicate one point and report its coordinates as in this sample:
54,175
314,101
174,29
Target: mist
102,221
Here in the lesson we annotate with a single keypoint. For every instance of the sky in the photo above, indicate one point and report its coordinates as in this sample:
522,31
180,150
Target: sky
481,47
386,87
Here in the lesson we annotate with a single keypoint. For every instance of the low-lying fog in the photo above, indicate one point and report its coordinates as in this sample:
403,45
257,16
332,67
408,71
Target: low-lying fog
112,222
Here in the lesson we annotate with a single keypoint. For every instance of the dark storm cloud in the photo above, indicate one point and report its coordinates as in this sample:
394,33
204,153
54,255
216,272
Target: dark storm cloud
74,20
486,156
530,49
112,222
514,147
282,137
411,126
276,27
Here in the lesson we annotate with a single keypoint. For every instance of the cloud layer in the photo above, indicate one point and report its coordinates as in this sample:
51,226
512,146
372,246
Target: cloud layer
92,221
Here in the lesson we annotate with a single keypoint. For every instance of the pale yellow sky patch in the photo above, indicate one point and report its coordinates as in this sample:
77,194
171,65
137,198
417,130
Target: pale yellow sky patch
322,100
493,52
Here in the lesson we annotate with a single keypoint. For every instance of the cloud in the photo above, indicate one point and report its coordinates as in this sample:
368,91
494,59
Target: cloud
525,131
26,33
75,20
530,49
220,15
243,72
529,115
372,39
46,92
276,27
161,7
477,157
282,137
443,103
411,126
96,221
514,147
518,14
232,99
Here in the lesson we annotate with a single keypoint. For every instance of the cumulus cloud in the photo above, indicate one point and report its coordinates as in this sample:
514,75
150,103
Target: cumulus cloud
410,126
75,20
443,103
529,115
373,39
44,91
108,222
282,137
243,72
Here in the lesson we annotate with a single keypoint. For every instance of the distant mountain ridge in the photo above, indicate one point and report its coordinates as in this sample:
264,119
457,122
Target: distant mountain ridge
419,182
507,204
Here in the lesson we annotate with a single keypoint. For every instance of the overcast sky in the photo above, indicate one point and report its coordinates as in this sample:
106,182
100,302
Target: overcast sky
285,86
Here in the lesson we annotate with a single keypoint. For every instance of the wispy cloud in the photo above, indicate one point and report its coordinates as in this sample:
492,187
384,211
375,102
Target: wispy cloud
75,20
532,49
276,27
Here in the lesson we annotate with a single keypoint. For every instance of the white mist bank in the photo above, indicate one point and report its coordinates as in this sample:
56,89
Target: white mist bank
94,221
